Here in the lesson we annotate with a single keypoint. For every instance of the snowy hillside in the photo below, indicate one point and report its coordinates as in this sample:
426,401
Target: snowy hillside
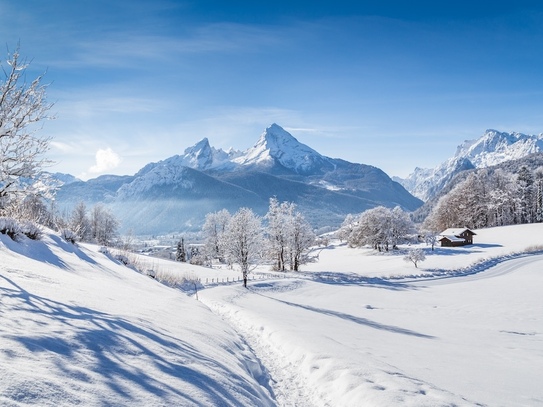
492,148
354,328
80,329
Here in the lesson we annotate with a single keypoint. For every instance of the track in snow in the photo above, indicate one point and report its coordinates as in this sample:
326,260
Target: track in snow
289,389
500,269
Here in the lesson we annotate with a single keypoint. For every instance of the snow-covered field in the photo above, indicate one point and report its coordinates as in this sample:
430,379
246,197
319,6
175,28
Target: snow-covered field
355,328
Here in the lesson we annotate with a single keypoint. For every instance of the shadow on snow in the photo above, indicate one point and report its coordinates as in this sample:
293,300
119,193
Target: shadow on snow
113,350
352,318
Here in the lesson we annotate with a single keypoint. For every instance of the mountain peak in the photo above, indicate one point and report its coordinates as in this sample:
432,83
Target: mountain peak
276,146
492,148
199,156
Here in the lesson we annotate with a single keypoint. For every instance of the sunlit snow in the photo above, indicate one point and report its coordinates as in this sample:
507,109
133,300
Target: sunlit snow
354,328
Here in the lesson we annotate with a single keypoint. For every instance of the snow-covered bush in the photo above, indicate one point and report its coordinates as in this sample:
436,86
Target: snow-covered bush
69,235
122,258
10,227
184,282
31,230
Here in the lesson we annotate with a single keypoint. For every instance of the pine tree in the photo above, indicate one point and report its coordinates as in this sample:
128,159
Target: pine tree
181,253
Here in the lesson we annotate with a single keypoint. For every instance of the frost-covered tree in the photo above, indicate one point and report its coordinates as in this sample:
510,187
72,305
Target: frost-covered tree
525,184
347,227
401,227
486,199
243,241
79,222
288,234
300,239
104,226
415,256
213,231
279,218
23,106
466,205
380,228
430,238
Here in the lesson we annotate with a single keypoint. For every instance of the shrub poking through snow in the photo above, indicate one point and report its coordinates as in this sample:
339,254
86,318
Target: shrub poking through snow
69,235
123,259
10,227
31,230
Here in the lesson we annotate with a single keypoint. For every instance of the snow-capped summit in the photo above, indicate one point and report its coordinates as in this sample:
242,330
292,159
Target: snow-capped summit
199,155
492,148
277,146
178,192
495,147
202,156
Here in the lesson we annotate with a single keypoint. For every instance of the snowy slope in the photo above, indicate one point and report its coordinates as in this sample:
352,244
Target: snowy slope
354,328
349,334
492,148
79,329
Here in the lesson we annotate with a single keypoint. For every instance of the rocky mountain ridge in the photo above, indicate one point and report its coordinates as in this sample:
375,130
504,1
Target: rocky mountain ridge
176,193
492,148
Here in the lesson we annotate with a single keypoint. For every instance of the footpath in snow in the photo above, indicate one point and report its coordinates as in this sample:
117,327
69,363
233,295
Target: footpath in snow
465,337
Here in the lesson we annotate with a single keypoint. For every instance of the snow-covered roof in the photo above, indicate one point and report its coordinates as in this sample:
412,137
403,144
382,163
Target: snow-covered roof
455,231
453,238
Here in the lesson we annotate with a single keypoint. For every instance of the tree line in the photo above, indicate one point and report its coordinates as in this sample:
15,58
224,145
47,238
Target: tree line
281,237
490,198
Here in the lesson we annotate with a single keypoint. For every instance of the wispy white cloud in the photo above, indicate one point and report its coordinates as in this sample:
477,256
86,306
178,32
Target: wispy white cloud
127,49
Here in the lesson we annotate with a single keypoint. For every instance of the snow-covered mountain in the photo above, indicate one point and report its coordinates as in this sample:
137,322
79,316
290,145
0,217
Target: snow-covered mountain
492,148
177,193
278,148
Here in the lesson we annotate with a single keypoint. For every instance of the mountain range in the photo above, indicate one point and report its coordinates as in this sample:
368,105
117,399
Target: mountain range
492,148
175,194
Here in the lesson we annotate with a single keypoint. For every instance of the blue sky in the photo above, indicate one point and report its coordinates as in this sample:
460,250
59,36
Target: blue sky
393,84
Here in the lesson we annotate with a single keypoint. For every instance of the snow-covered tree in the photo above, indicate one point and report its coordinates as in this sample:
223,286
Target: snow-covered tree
213,231
415,256
487,199
430,238
243,241
381,228
538,194
347,227
525,185
288,234
104,226
466,205
300,239
22,107
279,229
79,222
401,227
